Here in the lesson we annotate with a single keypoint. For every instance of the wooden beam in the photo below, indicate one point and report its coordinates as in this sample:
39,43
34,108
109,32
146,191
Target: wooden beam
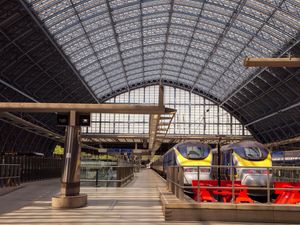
153,124
272,62
87,108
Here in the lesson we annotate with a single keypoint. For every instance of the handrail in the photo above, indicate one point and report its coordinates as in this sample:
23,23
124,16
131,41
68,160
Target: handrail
10,175
175,181
117,174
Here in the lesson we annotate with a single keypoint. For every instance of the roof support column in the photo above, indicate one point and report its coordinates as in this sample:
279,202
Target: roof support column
70,196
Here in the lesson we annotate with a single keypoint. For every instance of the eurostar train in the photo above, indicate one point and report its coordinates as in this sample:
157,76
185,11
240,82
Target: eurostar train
189,155
244,154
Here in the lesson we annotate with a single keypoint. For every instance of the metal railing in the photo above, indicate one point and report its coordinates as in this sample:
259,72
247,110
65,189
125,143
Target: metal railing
106,176
34,168
10,175
177,181
286,174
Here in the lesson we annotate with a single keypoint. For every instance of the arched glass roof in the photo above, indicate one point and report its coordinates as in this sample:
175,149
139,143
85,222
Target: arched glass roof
195,115
115,44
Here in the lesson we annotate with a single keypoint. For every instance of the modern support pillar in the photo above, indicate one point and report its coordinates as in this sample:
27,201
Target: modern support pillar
70,196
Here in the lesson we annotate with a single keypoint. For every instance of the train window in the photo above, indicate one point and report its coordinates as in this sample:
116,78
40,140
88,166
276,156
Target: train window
194,150
252,153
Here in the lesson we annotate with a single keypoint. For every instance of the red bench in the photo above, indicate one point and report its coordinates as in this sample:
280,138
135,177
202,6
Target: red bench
204,194
287,196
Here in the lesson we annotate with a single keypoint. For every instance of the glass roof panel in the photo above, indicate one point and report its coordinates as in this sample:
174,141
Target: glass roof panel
197,43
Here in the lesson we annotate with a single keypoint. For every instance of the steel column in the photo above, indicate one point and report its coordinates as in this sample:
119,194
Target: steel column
70,180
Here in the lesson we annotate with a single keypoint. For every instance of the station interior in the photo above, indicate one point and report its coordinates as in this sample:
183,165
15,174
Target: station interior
150,112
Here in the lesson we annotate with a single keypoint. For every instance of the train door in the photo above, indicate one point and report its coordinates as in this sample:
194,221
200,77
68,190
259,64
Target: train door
165,163
226,161
232,164
214,169
174,159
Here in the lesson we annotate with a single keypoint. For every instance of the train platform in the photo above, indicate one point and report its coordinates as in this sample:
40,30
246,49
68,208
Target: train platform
137,203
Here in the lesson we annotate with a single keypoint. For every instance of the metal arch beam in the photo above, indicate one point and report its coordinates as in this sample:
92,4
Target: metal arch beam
179,36
34,64
22,93
26,53
220,39
165,82
280,83
273,114
16,39
272,62
228,51
91,44
284,142
167,37
257,74
20,49
189,14
204,75
243,31
28,10
35,129
192,38
30,127
179,84
179,53
142,36
17,90
173,58
117,41
174,65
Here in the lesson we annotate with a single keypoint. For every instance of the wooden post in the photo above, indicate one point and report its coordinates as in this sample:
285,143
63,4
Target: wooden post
176,181
172,179
119,176
181,183
169,184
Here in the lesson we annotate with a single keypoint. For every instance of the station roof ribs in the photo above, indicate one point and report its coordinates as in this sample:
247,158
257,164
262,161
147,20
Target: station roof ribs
88,51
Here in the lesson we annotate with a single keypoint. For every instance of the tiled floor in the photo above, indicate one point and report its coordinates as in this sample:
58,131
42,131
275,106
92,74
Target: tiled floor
138,203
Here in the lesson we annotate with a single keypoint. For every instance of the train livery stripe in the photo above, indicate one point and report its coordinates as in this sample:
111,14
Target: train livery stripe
188,162
262,163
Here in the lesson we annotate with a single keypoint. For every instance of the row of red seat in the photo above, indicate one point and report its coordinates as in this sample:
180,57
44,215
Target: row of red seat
204,194
287,196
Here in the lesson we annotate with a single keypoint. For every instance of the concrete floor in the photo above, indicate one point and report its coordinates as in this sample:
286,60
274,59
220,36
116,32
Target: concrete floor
138,203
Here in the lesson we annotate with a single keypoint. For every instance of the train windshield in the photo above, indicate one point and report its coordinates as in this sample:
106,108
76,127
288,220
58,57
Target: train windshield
252,153
194,150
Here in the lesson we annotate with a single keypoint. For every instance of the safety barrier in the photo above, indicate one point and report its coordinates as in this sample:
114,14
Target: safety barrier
231,189
106,176
285,174
9,175
34,167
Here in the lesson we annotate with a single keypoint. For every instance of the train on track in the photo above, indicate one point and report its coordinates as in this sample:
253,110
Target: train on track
251,161
248,162
189,155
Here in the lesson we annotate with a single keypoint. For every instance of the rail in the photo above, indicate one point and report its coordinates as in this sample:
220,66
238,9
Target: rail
34,168
229,185
106,176
10,175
